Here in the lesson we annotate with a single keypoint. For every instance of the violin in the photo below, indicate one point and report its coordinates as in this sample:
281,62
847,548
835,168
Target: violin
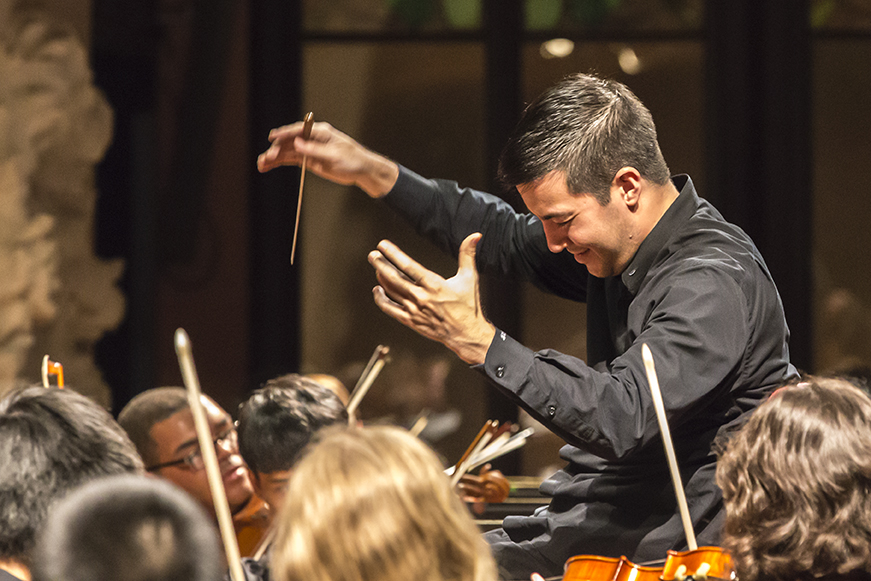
487,487
698,563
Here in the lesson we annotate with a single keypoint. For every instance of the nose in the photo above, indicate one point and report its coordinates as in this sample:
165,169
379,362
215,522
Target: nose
555,241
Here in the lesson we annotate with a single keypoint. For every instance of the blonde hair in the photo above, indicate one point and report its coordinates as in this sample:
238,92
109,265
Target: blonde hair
373,504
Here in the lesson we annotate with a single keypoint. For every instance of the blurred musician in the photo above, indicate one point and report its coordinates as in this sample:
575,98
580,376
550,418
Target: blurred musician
51,441
796,482
128,528
373,504
161,425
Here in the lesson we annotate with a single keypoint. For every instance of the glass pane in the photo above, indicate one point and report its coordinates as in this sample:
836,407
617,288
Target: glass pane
841,206
616,15
841,15
350,16
422,105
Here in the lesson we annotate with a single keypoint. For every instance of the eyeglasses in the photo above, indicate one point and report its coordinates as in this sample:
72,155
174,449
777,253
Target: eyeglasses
194,461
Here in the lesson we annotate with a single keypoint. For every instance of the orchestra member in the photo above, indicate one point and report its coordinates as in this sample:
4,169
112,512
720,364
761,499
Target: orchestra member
128,528
796,482
654,263
161,425
276,423
51,441
373,504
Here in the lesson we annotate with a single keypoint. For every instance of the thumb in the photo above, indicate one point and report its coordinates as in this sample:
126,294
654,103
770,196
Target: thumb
468,249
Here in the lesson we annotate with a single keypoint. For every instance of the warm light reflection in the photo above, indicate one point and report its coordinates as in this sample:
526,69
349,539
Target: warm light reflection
557,48
629,61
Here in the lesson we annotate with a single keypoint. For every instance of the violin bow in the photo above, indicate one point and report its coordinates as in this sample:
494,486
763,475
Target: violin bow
308,122
482,439
658,405
52,368
371,371
207,449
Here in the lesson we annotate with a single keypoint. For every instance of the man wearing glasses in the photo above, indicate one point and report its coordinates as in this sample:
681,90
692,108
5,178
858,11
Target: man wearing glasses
161,426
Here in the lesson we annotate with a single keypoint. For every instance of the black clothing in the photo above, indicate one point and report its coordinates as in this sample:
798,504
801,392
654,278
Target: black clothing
699,294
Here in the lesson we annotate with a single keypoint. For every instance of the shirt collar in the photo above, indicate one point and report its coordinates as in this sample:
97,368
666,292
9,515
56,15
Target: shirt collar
680,211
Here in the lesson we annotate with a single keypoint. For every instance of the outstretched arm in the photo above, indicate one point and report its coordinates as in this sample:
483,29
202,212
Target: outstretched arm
332,155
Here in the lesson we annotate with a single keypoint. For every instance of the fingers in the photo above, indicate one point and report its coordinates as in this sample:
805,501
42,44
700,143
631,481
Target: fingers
396,262
288,147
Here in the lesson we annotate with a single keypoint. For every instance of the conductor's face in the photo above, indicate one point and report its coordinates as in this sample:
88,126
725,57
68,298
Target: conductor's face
599,237
180,459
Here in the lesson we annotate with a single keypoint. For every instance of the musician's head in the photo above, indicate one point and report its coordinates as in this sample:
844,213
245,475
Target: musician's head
128,528
51,441
587,128
276,423
161,425
373,504
796,482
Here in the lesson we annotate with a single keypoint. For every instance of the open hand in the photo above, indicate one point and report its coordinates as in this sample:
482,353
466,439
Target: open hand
447,311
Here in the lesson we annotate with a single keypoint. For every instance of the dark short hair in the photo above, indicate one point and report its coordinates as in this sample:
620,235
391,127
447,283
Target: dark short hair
796,483
51,441
150,407
128,528
589,128
278,420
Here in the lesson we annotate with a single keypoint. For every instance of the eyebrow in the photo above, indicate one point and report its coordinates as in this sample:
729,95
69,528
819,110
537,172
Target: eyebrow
195,440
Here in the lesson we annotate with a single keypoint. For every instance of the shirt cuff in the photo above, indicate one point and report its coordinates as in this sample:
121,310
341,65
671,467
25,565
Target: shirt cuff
507,363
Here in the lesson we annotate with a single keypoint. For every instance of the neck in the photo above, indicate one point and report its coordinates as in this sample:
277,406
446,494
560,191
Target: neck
658,204
15,568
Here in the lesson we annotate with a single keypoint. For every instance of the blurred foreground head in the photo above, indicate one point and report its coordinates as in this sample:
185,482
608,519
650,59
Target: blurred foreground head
796,483
128,528
373,504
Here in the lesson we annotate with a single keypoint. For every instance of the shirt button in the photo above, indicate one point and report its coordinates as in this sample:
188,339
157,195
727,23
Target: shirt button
500,371
551,410
632,272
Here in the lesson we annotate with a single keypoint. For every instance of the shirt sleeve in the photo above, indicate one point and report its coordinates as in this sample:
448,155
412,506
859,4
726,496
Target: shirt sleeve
512,243
697,331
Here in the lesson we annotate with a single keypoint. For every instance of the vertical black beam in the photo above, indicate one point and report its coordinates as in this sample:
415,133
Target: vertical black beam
183,203
275,99
124,58
503,33
758,108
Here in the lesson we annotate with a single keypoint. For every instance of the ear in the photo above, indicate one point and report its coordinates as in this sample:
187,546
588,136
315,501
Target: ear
627,186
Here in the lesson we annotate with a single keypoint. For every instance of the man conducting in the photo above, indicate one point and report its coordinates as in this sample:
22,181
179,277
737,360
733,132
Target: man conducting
654,262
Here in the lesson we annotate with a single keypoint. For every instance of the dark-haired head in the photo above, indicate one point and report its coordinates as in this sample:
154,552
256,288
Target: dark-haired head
588,128
51,441
128,528
275,425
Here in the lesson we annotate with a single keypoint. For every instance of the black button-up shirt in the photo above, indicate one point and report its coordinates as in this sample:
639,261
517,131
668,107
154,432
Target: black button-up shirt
698,293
